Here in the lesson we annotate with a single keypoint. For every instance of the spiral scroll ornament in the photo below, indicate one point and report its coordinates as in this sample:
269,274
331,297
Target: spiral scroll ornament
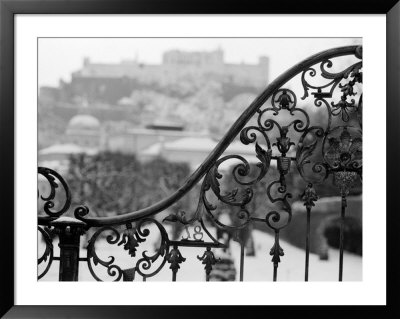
54,180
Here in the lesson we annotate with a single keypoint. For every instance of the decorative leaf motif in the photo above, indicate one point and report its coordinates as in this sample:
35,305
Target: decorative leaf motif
309,196
304,152
177,217
284,100
342,108
265,158
347,89
175,258
173,218
131,239
208,259
276,252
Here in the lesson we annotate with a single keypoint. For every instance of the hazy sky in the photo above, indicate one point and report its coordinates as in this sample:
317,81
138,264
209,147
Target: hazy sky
58,57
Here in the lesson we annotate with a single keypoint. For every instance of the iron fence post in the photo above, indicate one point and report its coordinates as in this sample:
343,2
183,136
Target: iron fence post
69,231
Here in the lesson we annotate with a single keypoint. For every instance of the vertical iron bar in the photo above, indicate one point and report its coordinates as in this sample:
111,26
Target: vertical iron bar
174,276
307,243
69,255
341,238
69,232
275,262
241,260
207,277
309,197
144,278
275,271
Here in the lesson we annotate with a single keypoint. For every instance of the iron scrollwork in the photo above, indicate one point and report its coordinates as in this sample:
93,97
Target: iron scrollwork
54,180
130,240
332,147
339,154
48,254
112,269
342,158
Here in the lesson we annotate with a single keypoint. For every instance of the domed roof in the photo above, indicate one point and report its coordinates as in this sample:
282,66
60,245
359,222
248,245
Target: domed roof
84,121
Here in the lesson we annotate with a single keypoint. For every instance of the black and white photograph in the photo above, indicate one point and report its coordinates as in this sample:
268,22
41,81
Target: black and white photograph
200,159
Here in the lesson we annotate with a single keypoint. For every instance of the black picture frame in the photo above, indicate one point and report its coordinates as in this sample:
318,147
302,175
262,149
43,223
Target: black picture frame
8,10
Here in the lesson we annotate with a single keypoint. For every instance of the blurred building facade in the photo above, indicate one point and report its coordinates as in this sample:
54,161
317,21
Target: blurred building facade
111,82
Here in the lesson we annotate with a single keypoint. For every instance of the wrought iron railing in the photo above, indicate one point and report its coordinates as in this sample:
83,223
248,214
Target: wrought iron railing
332,146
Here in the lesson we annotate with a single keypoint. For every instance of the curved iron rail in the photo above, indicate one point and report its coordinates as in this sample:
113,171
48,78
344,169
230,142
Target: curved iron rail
81,212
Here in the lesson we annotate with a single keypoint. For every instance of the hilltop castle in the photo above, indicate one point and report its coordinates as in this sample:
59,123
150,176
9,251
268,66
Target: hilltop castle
108,83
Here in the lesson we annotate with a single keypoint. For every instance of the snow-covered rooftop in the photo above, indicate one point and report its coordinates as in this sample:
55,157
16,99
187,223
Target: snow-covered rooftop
84,121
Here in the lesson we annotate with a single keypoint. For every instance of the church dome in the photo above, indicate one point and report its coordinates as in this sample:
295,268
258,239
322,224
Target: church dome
84,121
